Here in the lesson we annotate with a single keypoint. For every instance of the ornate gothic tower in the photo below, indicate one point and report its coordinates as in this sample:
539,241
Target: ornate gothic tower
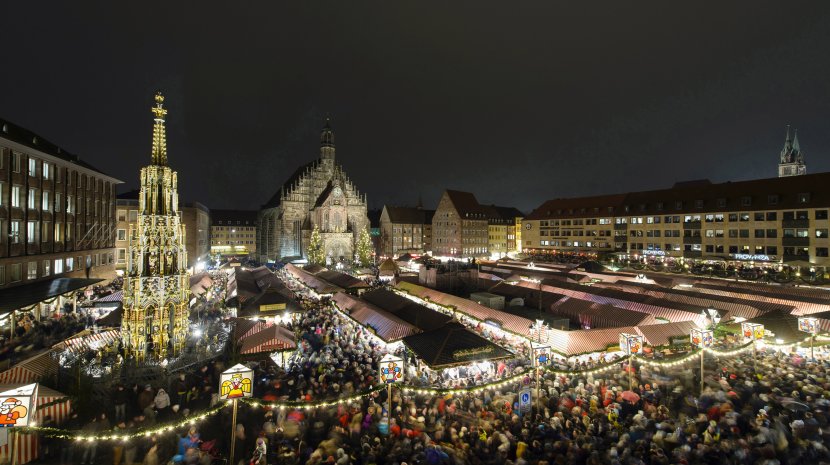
156,283
791,162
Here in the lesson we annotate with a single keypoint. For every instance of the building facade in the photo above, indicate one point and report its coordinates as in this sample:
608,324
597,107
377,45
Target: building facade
156,282
57,213
233,232
791,161
781,219
318,195
194,216
460,226
405,230
501,230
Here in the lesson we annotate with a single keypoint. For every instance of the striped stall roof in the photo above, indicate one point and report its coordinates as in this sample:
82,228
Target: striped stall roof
86,340
594,315
269,338
386,325
31,369
661,334
586,341
116,296
782,301
321,286
26,446
514,323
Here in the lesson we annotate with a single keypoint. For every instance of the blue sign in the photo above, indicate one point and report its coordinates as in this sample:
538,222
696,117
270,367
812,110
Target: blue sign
524,400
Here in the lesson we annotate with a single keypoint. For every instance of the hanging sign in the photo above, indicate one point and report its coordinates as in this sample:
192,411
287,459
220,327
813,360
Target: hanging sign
702,337
391,369
236,382
752,331
17,406
808,324
540,354
631,343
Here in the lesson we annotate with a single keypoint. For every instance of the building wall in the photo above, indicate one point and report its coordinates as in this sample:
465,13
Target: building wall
57,218
233,239
786,234
454,236
195,218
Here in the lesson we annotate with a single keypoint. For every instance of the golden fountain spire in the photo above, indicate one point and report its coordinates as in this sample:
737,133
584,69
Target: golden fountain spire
159,135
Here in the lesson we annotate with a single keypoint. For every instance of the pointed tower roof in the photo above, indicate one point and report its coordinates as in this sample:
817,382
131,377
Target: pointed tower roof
327,135
159,154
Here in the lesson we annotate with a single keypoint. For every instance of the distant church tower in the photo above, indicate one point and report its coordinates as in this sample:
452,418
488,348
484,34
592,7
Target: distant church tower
156,283
792,159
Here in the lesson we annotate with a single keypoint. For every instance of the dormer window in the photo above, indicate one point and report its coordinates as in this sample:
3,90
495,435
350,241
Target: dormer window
804,197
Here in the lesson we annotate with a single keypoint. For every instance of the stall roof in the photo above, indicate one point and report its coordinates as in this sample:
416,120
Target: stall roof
17,297
320,285
452,345
386,325
424,318
314,268
661,334
783,324
342,279
268,339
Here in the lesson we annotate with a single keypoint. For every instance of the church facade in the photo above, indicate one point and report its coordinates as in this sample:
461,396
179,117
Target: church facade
791,161
156,282
318,195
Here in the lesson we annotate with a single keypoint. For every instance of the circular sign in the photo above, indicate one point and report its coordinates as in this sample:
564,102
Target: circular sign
525,397
526,380
528,226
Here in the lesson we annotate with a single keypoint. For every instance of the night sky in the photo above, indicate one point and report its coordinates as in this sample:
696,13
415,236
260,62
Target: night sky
517,102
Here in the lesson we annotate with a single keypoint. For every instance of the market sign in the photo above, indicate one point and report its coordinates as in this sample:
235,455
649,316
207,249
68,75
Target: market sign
236,382
463,353
631,343
702,337
658,253
391,369
808,324
753,257
752,330
17,406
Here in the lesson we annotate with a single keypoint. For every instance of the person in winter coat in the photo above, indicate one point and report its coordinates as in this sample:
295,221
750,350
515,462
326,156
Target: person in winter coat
162,400
260,453
145,398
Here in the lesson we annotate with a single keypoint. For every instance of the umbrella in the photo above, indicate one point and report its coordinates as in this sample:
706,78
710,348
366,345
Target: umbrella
795,406
630,396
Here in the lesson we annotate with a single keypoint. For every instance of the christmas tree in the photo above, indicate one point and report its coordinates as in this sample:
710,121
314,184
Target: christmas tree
363,249
316,255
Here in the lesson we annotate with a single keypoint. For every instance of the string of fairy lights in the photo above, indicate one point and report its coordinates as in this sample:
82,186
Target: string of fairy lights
522,376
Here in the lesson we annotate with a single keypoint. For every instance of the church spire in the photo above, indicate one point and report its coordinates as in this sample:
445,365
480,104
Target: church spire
327,142
791,161
159,134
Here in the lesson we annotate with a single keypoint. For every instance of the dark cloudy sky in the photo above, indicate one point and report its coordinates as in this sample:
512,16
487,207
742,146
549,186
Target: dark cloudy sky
516,101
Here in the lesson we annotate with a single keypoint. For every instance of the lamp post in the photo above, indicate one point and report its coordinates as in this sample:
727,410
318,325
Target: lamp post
703,338
235,383
539,353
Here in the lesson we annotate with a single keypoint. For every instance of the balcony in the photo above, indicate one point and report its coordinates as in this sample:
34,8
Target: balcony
795,223
620,226
693,240
795,241
692,254
795,258
692,225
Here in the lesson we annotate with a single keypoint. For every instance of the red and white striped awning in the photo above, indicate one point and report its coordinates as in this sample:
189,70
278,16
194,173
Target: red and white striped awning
31,369
269,338
86,340
26,445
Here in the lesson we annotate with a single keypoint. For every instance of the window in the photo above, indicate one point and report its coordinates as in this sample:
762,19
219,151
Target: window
659,206
733,249
70,205
32,167
802,215
31,232
16,164
733,217
47,172
821,251
744,233
58,266
710,233
772,216
804,197
122,234
44,231
759,217
70,263
16,196
45,201
746,201
772,250
744,216
721,203
14,231
58,175
759,233
772,233
58,232
678,205
133,216
16,273
789,233
733,233
47,265
122,215
32,199
31,270
122,255
772,199
802,233
698,203
822,233
821,214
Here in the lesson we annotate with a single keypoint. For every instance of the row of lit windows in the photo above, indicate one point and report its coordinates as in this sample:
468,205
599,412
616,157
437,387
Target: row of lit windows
42,231
46,202
49,171
43,268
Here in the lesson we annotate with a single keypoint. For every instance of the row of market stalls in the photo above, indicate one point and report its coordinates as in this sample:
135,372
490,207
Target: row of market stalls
259,293
326,282
258,339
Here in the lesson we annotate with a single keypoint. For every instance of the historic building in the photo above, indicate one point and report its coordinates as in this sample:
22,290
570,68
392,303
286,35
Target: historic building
501,230
156,282
195,217
791,162
318,195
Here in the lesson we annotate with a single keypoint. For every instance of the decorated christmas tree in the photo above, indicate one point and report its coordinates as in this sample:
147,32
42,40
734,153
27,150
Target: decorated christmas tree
316,255
363,249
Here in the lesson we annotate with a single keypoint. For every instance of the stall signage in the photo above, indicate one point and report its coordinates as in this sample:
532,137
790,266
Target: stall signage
17,406
702,337
659,253
541,355
752,330
462,353
271,307
631,343
808,324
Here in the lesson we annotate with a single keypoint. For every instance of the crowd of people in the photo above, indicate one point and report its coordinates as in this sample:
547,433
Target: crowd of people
770,410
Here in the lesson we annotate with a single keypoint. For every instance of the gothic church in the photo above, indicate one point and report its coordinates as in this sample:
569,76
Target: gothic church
318,194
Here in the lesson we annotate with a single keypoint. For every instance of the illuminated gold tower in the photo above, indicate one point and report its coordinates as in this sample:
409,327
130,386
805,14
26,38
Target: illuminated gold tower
156,283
